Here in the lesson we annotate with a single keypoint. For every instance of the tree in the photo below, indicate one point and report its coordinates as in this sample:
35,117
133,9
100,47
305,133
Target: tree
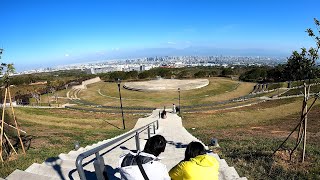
184,74
132,75
144,75
302,65
8,70
31,78
276,74
163,72
227,72
255,74
213,73
200,74
117,74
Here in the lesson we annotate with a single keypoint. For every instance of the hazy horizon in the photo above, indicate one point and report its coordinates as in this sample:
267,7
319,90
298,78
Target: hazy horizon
160,52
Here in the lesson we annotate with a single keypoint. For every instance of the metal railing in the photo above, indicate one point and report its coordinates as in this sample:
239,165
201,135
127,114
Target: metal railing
99,161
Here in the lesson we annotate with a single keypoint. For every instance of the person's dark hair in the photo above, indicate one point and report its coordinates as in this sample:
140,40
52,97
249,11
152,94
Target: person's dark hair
155,145
194,149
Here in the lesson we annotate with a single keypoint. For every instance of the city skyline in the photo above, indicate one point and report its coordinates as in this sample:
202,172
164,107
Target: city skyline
48,33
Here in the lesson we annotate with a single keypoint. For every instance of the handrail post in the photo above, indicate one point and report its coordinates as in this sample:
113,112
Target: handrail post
137,141
99,166
154,128
80,168
99,161
148,131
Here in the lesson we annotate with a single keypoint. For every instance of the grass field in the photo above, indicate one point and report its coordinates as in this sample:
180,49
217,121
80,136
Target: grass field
313,89
55,131
248,137
219,89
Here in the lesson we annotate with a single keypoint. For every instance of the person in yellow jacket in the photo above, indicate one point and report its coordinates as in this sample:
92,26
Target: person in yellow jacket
197,165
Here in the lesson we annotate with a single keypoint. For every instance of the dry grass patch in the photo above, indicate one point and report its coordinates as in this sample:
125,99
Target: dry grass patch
54,131
248,137
240,117
75,119
244,88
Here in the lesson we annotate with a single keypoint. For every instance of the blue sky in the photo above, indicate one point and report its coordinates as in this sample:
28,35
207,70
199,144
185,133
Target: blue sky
44,33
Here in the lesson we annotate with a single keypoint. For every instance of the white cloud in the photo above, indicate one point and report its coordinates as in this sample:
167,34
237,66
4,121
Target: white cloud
66,55
171,42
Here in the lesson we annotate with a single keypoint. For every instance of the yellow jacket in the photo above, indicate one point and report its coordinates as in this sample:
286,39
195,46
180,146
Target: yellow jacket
201,167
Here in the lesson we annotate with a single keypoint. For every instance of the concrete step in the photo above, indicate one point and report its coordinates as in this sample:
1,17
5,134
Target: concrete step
18,175
90,146
222,167
214,155
75,153
223,164
54,171
229,173
71,164
81,149
73,157
64,156
62,163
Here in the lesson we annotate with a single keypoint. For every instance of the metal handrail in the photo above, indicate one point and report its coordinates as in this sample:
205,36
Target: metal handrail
99,162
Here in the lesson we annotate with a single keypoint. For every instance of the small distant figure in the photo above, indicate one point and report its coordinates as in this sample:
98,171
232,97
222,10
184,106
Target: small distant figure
174,108
177,109
164,114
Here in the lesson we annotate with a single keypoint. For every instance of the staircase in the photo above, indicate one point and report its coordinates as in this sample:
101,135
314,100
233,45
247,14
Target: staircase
63,166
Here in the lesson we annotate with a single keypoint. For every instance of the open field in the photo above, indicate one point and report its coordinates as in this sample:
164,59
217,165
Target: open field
55,131
248,137
219,89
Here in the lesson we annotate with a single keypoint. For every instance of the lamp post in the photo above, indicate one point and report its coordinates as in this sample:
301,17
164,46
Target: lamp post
119,82
179,101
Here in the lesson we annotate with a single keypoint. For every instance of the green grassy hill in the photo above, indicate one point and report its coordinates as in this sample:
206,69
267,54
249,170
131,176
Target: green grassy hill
247,135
